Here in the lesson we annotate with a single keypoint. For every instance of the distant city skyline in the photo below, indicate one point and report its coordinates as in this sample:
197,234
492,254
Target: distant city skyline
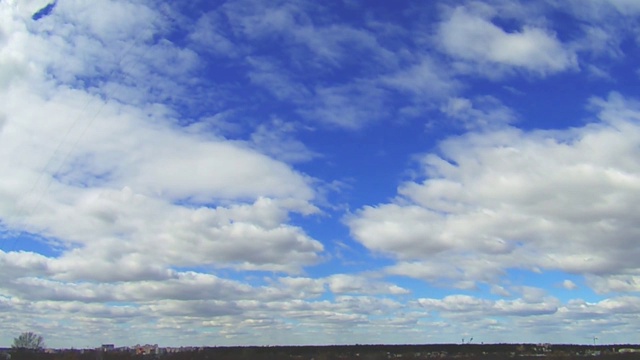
308,173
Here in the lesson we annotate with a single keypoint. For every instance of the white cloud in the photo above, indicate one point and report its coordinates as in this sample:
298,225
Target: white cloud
333,43
625,6
276,80
210,35
501,199
276,139
500,290
488,112
256,19
314,51
614,283
463,304
316,43
303,287
116,181
425,80
340,284
474,38
569,285
349,284
547,318
600,41
599,10
349,106
604,28
176,285
78,181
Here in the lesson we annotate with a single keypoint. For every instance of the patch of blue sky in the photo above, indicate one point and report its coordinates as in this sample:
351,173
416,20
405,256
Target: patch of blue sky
539,107
379,163
341,253
621,72
122,304
45,11
553,282
24,241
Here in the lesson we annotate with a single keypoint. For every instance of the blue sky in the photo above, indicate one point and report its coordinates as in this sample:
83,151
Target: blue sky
296,172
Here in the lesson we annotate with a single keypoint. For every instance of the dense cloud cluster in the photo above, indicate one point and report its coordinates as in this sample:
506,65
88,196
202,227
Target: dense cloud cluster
158,179
540,200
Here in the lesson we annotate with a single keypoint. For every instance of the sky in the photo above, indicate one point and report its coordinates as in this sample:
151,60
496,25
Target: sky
256,172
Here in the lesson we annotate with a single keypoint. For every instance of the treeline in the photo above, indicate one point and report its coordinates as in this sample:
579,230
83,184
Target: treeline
364,352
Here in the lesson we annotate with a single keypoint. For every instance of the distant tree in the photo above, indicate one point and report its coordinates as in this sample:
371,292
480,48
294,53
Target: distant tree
28,341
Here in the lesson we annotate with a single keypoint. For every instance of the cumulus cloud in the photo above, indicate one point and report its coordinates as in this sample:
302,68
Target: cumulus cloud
101,167
614,283
472,37
501,199
569,285
82,182
115,181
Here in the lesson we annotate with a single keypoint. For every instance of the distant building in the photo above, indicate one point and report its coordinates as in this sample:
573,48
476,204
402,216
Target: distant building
146,349
108,347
